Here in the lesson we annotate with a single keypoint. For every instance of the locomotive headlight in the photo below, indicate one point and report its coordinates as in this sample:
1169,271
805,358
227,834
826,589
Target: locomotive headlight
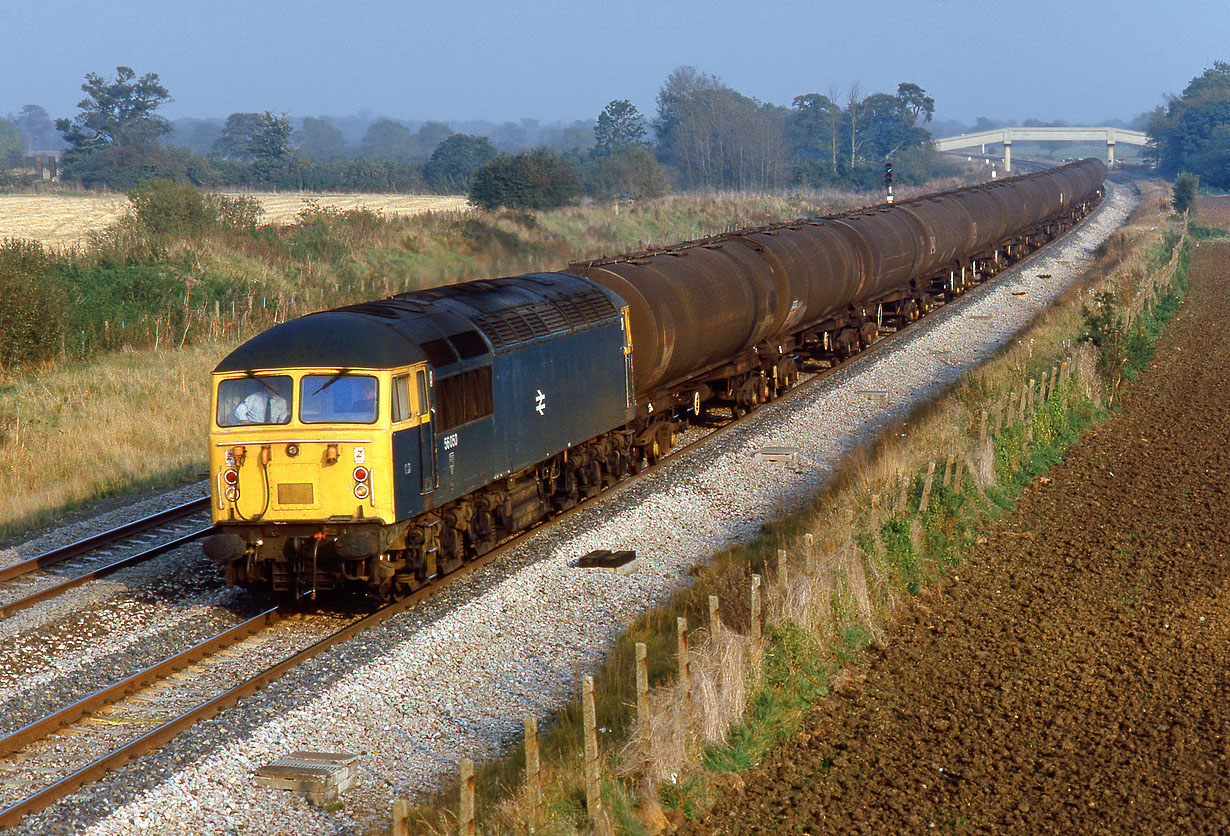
231,494
361,491
292,450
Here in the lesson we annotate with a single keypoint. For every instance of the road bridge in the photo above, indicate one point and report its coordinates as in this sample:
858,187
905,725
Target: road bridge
1006,136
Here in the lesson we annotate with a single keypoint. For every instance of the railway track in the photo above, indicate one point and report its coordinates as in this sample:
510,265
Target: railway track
114,705
93,555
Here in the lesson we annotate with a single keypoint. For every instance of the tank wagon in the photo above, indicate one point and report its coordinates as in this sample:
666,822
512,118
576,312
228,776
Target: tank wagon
377,446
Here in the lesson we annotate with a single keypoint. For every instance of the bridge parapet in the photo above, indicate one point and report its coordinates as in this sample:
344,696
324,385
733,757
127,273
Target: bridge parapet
1006,136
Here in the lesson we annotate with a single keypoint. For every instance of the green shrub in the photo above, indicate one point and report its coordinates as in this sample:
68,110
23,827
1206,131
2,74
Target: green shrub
31,304
168,209
538,179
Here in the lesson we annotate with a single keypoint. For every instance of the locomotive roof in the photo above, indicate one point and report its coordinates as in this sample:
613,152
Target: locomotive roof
438,325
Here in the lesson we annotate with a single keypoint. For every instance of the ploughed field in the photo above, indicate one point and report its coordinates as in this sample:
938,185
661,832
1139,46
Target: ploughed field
1073,676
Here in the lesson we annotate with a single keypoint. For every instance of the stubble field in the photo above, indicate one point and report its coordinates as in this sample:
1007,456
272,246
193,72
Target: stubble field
64,219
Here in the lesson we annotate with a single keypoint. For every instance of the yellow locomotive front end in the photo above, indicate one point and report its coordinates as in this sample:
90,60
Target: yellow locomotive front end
301,445
301,474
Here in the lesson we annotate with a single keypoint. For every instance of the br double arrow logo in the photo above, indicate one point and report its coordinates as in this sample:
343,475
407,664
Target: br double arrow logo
540,403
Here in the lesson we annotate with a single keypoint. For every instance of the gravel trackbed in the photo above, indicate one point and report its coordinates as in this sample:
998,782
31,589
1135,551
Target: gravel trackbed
1072,677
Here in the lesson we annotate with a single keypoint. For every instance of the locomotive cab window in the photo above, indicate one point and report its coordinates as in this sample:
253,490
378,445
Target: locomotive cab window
260,399
464,397
340,398
424,406
402,408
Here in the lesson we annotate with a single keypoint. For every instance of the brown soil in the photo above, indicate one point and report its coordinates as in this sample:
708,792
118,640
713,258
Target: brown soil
1214,211
1074,675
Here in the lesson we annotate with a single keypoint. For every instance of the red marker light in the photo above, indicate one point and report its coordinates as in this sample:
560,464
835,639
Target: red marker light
231,477
360,474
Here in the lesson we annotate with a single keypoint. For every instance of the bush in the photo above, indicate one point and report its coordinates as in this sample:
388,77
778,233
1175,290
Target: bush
166,209
1184,199
452,165
632,171
31,304
538,179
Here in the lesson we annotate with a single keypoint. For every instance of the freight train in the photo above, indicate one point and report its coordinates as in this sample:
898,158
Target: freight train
378,446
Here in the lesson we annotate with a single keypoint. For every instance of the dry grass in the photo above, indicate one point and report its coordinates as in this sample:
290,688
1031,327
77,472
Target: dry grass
79,432
65,219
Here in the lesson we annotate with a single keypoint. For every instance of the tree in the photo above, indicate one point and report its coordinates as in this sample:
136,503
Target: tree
620,125
813,129
37,129
237,136
631,171
389,140
451,167
120,112
1194,132
270,149
916,101
1184,199
197,135
320,140
12,145
538,179
430,135
716,137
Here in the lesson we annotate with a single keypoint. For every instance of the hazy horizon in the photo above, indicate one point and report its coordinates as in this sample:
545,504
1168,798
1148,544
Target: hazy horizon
549,61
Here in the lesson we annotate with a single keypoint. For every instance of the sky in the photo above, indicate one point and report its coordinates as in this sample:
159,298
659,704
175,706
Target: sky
561,60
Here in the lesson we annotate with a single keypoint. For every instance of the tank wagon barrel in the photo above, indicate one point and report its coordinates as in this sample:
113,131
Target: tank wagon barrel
693,307
375,447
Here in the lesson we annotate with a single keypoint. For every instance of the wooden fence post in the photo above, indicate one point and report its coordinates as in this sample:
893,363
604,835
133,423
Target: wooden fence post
642,685
593,793
948,470
465,808
755,623
401,817
982,429
783,573
925,502
533,783
905,492
681,648
715,613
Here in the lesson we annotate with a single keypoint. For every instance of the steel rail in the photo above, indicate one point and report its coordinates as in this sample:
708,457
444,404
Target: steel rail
8,609
160,736
106,538
68,715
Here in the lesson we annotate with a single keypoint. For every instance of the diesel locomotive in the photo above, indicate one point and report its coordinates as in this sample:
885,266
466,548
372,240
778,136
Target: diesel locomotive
377,446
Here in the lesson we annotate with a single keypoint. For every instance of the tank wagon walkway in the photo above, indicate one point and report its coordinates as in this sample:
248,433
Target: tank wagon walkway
1072,677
